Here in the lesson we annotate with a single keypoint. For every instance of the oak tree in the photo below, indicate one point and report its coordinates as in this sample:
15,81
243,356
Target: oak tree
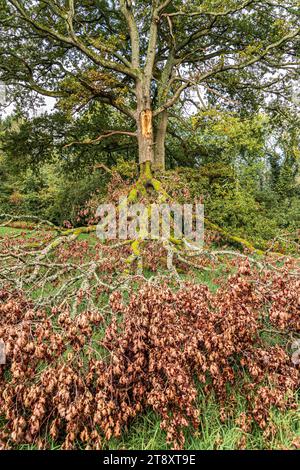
146,57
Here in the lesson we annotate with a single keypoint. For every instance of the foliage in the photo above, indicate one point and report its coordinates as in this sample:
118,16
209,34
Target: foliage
79,54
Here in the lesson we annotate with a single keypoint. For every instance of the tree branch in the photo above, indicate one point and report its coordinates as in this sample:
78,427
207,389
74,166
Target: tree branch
71,40
134,34
252,61
211,13
172,101
151,51
105,135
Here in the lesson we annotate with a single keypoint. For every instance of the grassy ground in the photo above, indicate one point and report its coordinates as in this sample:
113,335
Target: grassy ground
9,231
145,432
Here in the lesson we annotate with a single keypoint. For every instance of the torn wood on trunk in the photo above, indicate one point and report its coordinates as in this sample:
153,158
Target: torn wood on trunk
146,123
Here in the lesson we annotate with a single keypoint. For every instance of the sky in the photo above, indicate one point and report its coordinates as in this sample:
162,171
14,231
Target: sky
6,111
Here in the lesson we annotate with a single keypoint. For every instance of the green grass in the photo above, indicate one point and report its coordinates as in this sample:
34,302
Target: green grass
4,231
145,432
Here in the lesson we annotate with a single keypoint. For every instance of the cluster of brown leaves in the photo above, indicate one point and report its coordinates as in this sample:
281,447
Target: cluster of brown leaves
65,379
285,301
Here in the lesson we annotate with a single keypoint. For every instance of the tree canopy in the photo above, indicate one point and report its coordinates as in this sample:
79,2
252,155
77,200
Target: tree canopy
140,56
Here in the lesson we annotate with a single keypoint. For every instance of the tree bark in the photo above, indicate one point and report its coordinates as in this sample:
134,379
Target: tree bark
145,136
162,118
160,141
144,122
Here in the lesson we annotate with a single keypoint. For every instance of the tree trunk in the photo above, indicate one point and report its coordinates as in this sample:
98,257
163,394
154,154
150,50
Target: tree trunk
144,122
162,118
145,136
160,141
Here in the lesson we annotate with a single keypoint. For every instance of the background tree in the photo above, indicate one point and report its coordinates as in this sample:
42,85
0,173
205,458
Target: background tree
146,58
